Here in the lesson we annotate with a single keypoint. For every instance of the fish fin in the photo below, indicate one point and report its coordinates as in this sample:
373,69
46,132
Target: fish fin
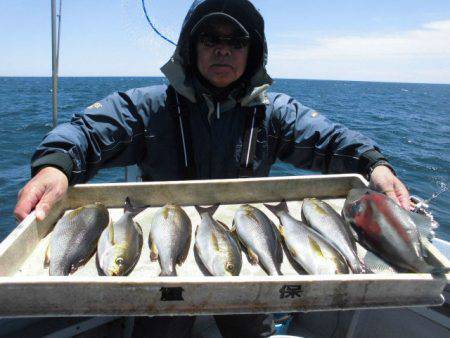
196,230
252,257
209,210
315,246
277,208
281,230
279,250
182,257
165,212
292,251
47,257
279,246
215,242
234,235
141,237
138,229
233,228
153,250
425,225
224,225
111,233
74,267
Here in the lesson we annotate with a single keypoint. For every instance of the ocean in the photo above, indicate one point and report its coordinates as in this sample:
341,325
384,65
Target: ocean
410,122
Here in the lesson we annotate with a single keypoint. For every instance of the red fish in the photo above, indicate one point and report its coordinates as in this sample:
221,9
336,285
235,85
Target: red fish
386,229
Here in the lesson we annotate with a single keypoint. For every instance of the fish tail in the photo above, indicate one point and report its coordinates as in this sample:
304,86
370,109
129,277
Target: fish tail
275,209
209,210
128,207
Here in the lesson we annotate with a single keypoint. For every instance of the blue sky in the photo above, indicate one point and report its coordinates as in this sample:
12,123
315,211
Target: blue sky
401,41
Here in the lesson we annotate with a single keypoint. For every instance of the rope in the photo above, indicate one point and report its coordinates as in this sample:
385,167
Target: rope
153,26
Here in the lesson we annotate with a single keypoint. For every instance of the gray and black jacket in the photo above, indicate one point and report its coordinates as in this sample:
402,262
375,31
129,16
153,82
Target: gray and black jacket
182,131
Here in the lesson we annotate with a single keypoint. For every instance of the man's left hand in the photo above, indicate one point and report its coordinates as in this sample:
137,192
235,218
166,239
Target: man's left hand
384,180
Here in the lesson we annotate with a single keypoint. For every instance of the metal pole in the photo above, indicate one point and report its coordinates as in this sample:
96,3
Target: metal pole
54,65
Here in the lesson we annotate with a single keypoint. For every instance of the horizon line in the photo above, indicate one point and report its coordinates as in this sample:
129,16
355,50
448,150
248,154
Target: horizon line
274,78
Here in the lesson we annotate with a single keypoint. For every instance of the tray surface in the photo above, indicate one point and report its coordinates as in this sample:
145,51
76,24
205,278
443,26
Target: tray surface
26,288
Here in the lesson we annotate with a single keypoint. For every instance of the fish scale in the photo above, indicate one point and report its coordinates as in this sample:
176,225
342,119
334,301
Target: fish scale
326,221
120,244
215,246
169,238
386,229
259,236
307,247
74,238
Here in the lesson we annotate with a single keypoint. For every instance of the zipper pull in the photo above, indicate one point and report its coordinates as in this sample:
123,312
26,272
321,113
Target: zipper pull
218,110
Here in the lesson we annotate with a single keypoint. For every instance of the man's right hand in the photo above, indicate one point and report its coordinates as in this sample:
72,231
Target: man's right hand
41,193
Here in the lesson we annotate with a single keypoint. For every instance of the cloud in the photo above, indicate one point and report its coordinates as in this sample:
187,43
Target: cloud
420,55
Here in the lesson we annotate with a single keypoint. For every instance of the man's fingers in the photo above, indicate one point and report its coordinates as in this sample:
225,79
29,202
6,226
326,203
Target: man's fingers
45,204
391,194
28,198
403,195
41,193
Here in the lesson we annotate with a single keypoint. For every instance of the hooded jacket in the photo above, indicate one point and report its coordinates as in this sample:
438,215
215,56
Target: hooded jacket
142,126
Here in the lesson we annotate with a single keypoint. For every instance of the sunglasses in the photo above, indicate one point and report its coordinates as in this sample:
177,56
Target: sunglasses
211,40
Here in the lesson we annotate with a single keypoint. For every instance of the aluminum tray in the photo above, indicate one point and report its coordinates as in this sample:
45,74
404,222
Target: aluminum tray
27,290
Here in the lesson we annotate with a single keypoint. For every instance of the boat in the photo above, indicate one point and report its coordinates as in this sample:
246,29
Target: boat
396,321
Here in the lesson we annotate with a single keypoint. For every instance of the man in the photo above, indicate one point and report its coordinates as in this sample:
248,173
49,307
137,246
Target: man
214,120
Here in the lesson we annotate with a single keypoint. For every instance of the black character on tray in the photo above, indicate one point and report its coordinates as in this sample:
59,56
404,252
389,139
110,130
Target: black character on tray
291,291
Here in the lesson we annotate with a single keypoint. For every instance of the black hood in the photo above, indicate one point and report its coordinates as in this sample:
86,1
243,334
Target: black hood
244,12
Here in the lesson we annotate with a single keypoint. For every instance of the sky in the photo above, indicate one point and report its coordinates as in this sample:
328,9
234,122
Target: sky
382,40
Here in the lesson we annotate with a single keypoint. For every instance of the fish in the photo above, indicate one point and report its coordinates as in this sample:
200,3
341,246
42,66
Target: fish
216,246
120,244
327,222
170,238
260,239
306,246
74,239
387,229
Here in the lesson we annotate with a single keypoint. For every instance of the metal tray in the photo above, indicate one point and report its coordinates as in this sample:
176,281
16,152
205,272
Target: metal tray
27,290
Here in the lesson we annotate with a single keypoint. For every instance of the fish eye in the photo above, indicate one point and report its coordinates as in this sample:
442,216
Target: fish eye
229,266
119,261
357,208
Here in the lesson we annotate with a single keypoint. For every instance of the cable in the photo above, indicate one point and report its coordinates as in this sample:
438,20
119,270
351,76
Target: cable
59,33
153,27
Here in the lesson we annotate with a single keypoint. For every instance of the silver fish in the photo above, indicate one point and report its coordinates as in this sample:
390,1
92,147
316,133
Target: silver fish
120,244
326,221
260,238
170,238
387,229
74,239
306,246
215,245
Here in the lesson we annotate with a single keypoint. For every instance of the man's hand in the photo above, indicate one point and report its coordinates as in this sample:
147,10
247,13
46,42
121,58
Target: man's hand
383,180
41,193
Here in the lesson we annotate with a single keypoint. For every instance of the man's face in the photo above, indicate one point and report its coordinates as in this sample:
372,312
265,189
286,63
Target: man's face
221,63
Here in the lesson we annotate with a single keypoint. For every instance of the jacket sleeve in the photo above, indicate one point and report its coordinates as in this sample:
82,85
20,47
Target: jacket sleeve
110,133
308,140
